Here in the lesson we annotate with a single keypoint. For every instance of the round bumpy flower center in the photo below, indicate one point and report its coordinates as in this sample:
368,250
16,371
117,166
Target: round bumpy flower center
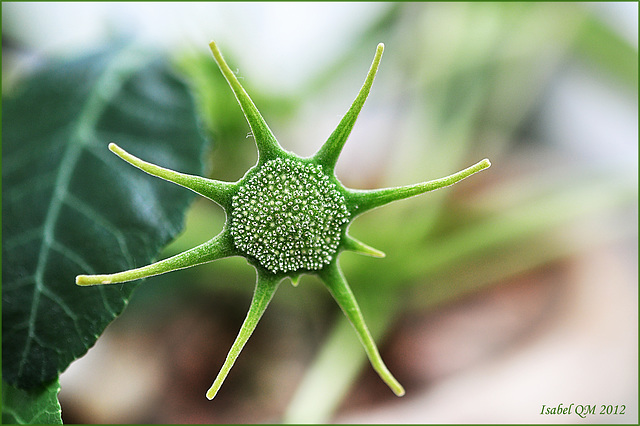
288,216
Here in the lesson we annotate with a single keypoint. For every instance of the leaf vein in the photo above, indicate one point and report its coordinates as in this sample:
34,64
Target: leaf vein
99,219
106,87
22,238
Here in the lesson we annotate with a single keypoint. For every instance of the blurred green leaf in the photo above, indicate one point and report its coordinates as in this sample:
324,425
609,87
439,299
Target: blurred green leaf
608,51
36,406
70,207
341,359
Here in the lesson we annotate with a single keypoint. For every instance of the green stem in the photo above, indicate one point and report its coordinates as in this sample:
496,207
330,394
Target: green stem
328,154
337,284
363,200
217,191
218,247
268,146
333,373
266,286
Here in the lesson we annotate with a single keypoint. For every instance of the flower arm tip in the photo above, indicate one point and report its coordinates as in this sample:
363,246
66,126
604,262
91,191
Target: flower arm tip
328,154
363,200
218,247
87,280
353,244
268,146
266,286
216,191
339,288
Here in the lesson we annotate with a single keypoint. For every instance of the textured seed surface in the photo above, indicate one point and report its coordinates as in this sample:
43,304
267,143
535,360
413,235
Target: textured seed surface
289,216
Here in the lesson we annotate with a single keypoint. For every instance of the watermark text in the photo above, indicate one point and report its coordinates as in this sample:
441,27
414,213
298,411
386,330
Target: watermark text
583,410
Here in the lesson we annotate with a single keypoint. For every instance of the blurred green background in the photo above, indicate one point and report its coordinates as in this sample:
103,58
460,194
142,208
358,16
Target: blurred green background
513,289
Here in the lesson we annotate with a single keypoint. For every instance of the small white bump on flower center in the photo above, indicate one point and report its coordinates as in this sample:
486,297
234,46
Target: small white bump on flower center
288,216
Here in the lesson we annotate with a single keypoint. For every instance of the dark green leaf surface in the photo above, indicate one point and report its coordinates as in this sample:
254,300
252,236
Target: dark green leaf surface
69,206
37,406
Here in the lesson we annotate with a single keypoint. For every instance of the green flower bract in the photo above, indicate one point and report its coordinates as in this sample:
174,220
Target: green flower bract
287,216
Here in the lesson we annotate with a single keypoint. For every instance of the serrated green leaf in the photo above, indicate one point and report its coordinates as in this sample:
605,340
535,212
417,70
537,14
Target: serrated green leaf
36,406
69,206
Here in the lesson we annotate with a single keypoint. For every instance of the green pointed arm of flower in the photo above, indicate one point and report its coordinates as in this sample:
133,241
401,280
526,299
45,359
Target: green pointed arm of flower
339,288
268,146
344,203
215,190
363,200
218,247
353,244
266,286
328,154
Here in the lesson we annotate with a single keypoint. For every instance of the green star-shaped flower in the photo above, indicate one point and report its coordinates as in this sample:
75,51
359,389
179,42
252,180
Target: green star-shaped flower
287,216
